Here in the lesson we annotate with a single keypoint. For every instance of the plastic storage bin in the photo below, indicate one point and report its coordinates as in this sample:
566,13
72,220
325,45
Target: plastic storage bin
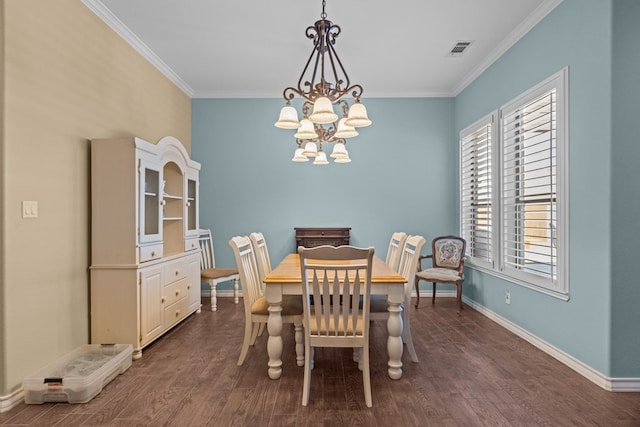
78,376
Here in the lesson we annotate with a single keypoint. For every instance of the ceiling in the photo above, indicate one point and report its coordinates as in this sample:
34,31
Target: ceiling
256,48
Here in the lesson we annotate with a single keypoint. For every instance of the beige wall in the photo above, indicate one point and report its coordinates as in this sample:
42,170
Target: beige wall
68,78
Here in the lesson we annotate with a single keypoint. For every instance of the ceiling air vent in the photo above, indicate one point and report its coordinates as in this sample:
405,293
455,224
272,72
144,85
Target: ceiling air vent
459,48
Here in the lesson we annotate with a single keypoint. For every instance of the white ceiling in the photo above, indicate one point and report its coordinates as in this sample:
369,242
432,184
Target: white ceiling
256,48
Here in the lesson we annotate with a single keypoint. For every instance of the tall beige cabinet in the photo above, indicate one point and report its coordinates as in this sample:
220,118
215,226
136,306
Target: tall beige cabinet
145,257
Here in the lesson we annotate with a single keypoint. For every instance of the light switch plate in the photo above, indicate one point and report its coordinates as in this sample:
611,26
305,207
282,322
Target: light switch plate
29,209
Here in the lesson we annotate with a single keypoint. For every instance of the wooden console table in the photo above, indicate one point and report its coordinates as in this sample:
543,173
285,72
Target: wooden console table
310,237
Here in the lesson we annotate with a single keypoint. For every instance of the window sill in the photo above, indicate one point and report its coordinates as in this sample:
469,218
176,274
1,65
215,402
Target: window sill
553,293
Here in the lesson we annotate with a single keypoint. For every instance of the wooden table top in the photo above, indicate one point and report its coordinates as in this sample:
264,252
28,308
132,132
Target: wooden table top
288,271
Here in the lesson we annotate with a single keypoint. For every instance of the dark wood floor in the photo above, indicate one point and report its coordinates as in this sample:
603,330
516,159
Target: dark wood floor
472,372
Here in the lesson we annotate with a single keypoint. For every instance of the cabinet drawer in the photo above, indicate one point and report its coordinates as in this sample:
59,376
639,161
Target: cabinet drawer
147,253
175,312
175,291
175,270
315,236
315,242
191,244
322,232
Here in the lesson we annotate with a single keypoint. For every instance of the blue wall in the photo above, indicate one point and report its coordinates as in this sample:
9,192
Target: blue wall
403,175
406,168
625,190
577,34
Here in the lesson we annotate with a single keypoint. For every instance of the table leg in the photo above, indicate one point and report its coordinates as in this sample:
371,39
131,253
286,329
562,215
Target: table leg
299,337
235,291
274,327
394,342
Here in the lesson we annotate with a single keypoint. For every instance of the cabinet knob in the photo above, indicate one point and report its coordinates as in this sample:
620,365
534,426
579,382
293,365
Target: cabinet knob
189,286
188,204
163,299
177,293
177,272
163,202
153,253
177,313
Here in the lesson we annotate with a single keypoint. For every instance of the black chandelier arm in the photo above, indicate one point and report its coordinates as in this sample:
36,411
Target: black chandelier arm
356,92
325,134
310,85
290,93
307,108
339,73
343,106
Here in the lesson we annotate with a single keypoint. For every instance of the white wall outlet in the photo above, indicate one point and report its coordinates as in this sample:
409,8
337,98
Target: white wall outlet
29,209
507,296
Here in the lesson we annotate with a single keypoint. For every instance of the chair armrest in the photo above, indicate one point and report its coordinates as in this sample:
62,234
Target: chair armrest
461,268
420,260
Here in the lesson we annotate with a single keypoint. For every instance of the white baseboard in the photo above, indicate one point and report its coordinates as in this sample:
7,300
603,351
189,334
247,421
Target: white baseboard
607,383
11,400
224,293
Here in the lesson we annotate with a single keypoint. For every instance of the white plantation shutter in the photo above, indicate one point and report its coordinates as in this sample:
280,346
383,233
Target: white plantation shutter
514,192
529,191
476,190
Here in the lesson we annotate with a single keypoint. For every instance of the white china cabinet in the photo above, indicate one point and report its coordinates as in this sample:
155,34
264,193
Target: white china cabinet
145,257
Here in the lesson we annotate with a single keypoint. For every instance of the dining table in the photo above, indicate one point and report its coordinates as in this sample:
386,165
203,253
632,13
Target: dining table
286,279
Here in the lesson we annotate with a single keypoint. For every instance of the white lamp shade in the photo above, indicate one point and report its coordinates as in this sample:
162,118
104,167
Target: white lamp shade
339,150
323,111
342,159
288,118
321,159
310,149
306,130
344,130
299,156
358,116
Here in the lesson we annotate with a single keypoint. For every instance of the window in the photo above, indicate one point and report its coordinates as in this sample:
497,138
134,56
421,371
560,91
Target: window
476,190
514,203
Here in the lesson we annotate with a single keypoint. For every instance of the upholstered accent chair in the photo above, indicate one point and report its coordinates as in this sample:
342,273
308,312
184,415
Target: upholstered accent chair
447,257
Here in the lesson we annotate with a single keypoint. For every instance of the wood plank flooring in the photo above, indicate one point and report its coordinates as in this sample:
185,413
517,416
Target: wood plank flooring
472,372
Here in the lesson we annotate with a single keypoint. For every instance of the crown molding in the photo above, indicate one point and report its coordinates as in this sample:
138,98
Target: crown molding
102,12
507,43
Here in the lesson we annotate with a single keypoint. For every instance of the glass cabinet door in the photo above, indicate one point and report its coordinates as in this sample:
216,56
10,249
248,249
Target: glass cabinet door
191,207
150,229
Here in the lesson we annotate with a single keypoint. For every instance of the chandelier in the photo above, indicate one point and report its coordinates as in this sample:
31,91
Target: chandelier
323,83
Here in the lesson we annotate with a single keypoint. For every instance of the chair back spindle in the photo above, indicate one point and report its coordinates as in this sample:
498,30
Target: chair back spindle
394,253
262,255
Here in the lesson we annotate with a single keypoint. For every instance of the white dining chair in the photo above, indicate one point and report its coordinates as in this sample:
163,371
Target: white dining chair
262,254
256,309
211,274
335,320
407,268
395,249
264,262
